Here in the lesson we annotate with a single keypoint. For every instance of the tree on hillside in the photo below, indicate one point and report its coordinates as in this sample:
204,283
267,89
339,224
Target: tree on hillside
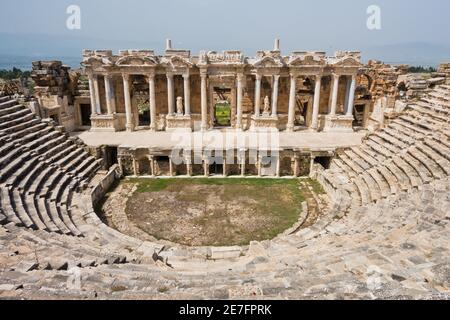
421,69
13,74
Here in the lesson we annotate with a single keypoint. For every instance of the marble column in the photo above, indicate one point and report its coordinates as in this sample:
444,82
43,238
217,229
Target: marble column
242,160
351,96
243,167
170,167
170,94
240,78
135,167
225,168
92,94
204,101
278,170
316,105
189,166
258,95
206,168
292,103
152,165
259,166
152,92
334,95
187,94
276,82
119,163
97,96
110,98
128,111
347,93
311,166
296,165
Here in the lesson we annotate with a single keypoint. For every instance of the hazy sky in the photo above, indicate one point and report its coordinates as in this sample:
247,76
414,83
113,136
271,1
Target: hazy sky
248,25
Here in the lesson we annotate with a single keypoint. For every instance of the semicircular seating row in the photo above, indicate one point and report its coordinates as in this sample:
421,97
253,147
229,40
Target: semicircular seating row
412,150
43,171
41,168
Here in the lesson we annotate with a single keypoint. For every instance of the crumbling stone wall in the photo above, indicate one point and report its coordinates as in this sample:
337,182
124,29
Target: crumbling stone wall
54,90
384,80
444,71
51,78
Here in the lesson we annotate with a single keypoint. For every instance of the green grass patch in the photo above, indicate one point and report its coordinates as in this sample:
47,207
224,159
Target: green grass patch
149,185
316,186
154,185
223,114
194,211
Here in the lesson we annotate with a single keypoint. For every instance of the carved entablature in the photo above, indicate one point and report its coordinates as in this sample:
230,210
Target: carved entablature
97,58
176,63
180,53
346,62
268,59
137,60
226,57
306,58
136,53
181,61
307,62
353,54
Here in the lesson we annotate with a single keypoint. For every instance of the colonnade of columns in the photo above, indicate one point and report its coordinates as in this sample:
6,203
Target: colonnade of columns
275,90
95,94
111,104
349,99
206,166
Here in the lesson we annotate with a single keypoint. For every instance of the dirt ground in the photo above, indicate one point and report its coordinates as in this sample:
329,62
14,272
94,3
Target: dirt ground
216,212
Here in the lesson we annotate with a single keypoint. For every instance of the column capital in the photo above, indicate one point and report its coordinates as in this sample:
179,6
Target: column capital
240,76
276,76
336,76
186,75
258,76
126,76
150,75
203,72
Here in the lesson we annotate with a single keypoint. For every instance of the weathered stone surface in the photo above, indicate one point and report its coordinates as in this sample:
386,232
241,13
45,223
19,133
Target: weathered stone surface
393,245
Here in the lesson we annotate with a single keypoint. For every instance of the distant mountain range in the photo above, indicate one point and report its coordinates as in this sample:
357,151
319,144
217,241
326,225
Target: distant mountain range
20,50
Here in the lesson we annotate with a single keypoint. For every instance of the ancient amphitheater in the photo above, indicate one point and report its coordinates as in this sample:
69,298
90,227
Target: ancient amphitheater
380,232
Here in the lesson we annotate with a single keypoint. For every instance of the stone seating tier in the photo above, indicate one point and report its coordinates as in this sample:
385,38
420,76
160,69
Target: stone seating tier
41,170
390,194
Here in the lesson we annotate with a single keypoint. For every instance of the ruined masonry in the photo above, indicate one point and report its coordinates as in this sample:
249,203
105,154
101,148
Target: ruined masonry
384,233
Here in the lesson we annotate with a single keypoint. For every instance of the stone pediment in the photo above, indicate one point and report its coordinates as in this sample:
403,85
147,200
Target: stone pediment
347,62
268,62
305,60
137,61
176,62
97,61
